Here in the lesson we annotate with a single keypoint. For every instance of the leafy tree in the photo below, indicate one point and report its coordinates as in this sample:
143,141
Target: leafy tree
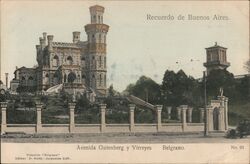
111,91
218,79
146,89
178,88
247,66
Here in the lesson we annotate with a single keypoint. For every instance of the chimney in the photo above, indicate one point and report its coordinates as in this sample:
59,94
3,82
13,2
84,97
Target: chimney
44,36
6,79
76,36
50,40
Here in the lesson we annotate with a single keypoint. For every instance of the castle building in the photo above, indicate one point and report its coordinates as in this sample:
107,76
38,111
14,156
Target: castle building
216,58
80,65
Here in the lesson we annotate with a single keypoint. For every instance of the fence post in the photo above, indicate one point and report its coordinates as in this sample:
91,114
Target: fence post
38,116
169,108
184,111
4,121
103,122
190,110
71,117
178,113
202,115
158,109
132,116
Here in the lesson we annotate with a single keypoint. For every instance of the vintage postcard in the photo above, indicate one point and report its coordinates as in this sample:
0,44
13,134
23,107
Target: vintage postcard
124,81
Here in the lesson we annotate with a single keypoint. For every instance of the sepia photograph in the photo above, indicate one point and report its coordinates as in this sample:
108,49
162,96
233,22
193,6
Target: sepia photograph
124,81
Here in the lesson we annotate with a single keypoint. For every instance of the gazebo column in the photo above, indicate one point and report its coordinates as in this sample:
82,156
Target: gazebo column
226,113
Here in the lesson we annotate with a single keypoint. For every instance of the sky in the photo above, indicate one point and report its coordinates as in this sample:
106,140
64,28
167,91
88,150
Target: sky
136,46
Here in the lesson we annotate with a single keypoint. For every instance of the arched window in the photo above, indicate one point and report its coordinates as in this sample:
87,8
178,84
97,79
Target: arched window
30,78
56,78
100,38
104,80
65,78
71,77
99,19
100,61
23,78
46,80
104,62
55,61
69,60
100,82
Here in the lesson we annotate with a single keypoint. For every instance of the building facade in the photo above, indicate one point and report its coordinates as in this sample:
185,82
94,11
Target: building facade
80,65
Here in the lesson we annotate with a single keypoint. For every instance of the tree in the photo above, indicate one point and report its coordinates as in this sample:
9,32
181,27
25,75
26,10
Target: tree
247,66
218,79
179,89
146,89
111,91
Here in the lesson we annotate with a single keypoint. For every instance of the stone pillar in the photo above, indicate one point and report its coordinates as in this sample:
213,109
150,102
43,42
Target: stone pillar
183,116
103,122
178,113
226,113
210,119
71,117
4,119
221,127
132,117
190,110
202,110
158,109
38,116
169,108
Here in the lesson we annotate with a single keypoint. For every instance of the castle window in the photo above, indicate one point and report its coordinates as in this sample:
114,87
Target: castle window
100,38
23,78
55,61
100,83
104,62
100,61
65,78
104,80
99,19
30,78
69,60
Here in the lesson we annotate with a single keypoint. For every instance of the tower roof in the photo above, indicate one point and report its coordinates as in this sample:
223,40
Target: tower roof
96,8
216,46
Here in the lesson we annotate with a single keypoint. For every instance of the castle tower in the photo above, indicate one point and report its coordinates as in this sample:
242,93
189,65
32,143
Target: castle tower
96,69
216,58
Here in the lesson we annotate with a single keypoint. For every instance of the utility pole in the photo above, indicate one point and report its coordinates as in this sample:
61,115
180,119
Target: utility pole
205,104
6,79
